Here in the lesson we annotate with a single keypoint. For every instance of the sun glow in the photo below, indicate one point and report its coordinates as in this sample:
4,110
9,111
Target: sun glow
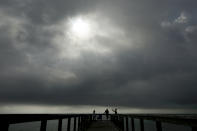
80,28
92,33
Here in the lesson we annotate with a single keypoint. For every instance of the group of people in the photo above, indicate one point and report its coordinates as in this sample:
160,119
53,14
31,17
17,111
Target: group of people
106,113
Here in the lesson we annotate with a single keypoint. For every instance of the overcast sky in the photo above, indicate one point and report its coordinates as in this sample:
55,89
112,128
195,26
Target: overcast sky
139,54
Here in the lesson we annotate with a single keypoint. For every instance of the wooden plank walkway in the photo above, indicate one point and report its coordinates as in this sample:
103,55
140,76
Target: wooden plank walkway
102,126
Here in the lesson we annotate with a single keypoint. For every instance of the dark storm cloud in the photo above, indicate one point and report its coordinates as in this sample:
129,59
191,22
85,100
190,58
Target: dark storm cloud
155,65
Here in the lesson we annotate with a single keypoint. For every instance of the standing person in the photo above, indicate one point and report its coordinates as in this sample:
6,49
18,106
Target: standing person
115,111
107,113
94,115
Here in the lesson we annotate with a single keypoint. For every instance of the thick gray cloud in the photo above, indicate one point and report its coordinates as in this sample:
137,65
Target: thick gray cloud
139,54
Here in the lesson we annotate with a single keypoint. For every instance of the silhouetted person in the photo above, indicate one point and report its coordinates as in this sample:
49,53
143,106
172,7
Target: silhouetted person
115,111
107,113
94,115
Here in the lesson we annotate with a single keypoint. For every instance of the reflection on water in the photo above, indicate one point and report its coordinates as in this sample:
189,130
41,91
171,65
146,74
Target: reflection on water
173,127
149,125
28,126
52,125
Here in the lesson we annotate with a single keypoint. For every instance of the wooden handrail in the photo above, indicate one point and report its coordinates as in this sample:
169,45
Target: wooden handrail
181,119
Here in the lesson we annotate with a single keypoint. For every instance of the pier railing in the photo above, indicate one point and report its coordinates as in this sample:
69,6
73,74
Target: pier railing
81,122
122,121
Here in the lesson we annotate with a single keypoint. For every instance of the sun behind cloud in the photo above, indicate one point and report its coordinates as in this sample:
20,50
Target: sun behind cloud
94,34
80,28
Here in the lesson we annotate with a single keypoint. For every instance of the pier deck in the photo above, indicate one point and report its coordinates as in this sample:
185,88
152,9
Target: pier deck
102,126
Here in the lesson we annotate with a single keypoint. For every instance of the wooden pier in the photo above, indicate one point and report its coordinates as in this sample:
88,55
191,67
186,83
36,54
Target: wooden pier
90,122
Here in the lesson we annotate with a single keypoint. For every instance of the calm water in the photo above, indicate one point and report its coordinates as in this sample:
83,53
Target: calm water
150,126
52,125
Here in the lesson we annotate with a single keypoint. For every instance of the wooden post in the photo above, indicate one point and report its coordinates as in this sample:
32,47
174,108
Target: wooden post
68,125
142,124
112,118
122,123
127,124
79,123
90,117
86,122
158,126
132,124
74,128
4,126
60,125
43,125
194,128
82,123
